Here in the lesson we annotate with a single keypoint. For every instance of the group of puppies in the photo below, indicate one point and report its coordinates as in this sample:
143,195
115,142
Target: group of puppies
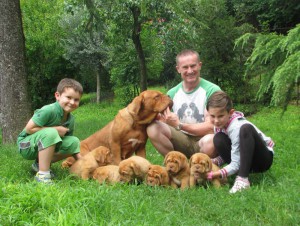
116,153
177,171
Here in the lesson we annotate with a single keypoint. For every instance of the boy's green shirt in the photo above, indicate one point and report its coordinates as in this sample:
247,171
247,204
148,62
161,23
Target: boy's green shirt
49,116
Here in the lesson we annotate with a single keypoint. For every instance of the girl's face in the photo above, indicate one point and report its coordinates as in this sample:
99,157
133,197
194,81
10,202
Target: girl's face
69,99
219,117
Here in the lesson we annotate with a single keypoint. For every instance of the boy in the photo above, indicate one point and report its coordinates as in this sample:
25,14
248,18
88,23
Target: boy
47,137
238,142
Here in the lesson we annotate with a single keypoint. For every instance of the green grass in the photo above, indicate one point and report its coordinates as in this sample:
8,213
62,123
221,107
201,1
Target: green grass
272,200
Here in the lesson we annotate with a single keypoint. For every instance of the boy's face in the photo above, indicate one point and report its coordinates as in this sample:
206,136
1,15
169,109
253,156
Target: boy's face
69,99
219,116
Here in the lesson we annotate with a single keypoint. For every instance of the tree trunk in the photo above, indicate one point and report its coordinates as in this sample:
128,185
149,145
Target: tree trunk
15,109
98,86
138,46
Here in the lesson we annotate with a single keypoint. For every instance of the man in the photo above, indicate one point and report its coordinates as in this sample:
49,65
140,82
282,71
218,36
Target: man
187,128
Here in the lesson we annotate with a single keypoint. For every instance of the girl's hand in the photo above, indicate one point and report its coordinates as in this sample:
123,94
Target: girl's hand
210,175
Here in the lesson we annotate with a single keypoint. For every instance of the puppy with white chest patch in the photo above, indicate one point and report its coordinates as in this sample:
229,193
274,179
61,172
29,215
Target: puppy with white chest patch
200,165
178,169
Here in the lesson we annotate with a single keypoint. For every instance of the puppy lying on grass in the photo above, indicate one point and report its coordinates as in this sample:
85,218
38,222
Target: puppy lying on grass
107,174
133,168
85,166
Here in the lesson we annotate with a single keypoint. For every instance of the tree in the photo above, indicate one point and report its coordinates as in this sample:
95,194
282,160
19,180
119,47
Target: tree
276,59
14,102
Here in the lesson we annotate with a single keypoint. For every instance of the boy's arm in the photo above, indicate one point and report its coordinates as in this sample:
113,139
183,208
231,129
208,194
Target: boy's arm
31,128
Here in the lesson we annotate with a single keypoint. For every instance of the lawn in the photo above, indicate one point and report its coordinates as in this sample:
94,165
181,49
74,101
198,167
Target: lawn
272,200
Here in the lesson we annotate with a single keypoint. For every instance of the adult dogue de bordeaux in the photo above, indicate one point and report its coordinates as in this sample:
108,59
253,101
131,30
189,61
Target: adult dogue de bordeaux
126,133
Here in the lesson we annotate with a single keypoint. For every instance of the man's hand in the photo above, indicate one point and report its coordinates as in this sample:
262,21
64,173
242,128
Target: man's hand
170,118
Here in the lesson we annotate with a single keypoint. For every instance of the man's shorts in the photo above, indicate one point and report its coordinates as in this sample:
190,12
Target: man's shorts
30,145
185,143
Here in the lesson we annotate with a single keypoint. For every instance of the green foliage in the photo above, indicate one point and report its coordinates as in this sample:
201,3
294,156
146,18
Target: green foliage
85,43
273,198
276,59
45,65
268,15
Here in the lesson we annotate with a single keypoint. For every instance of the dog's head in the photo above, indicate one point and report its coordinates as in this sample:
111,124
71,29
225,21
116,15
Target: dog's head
200,164
148,105
175,161
157,176
127,170
102,155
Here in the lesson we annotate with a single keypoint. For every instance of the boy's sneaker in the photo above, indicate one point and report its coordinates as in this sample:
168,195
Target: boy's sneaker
35,168
239,185
43,178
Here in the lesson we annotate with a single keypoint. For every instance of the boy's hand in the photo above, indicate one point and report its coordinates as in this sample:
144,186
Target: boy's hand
62,130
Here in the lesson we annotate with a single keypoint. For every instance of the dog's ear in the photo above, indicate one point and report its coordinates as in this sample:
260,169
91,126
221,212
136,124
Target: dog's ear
191,161
164,178
135,106
166,158
100,157
134,168
209,162
183,160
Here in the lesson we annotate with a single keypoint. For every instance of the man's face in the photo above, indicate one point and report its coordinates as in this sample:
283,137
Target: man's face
189,68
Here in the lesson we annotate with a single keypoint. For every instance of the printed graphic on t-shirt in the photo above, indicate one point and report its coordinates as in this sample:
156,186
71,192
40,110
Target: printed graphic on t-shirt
189,113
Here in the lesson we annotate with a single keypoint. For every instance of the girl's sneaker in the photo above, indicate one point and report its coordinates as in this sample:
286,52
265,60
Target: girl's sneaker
44,178
239,185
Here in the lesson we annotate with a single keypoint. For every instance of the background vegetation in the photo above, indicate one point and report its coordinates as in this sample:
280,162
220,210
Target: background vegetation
122,46
272,200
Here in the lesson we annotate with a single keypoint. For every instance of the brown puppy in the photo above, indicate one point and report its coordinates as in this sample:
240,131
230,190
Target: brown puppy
157,176
126,134
200,165
85,166
178,169
135,167
108,174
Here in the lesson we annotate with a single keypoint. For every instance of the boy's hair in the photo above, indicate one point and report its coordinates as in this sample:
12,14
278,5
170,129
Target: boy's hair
219,99
69,83
187,52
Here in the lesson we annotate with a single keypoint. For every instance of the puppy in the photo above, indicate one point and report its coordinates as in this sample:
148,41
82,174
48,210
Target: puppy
157,176
178,169
135,167
200,165
126,134
107,174
85,166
